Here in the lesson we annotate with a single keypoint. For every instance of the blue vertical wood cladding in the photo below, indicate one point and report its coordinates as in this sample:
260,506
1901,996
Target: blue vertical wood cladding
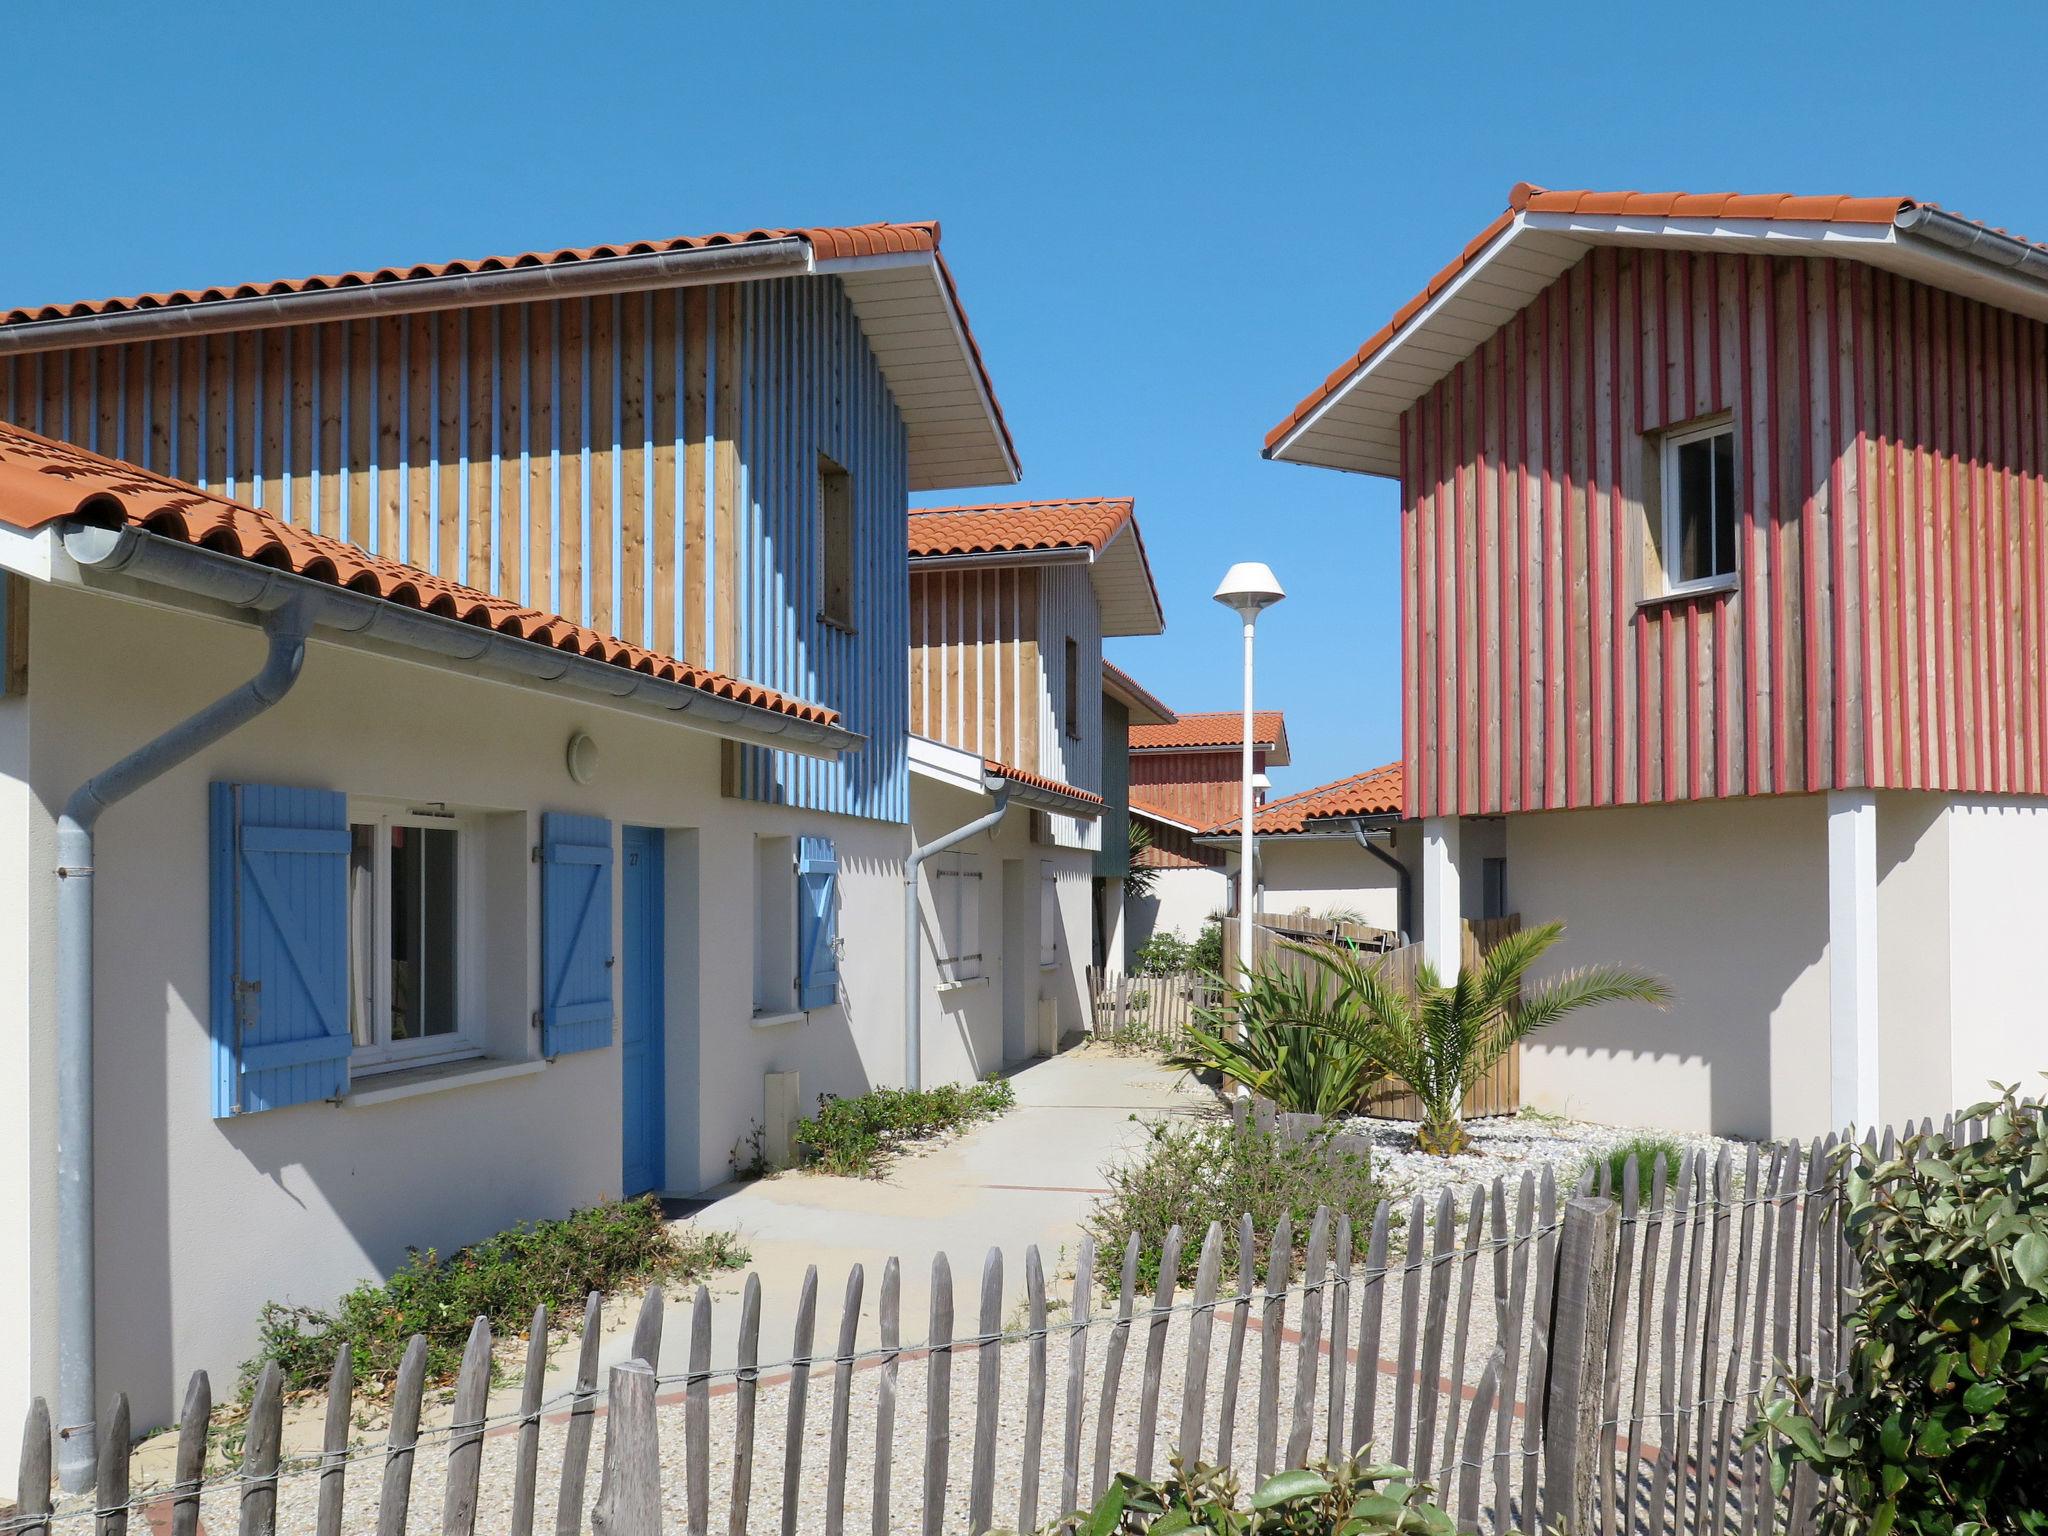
817,923
809,385
643,924
278,909
575,933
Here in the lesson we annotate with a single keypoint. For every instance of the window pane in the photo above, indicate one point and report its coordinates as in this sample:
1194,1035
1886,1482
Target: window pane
362,934
1695,510
422,932
1724,504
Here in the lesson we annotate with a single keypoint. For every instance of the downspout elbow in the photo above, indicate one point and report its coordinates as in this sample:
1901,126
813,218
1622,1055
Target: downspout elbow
1404,883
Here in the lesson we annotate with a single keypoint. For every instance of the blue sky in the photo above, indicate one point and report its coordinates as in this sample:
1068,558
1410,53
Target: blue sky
1168,222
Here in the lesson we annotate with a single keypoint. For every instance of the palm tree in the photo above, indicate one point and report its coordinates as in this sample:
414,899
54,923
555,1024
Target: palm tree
1265,1037
1442,1039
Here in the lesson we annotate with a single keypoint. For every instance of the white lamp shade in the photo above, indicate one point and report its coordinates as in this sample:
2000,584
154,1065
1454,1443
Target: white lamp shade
1249,586
1261,781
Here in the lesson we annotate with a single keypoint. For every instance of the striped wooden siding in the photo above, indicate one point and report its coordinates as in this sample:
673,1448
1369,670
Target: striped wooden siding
1203,788
1889,444
974,668
644,463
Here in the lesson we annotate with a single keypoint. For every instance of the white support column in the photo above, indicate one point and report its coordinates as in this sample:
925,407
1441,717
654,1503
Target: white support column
1443,924
1113,958
1852,956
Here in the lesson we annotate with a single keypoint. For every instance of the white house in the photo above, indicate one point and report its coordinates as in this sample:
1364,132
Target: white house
390,846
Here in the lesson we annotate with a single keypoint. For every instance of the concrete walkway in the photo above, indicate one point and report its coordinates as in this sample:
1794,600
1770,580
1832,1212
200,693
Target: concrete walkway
1029,1177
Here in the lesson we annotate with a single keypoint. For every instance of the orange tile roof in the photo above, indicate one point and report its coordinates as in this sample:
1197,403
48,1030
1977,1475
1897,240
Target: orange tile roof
1526,197
826,241
1376,792
43,481
1220,728
1160,812
1038,781
1017,526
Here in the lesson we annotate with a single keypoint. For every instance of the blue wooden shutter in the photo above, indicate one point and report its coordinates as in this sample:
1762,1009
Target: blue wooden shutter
279,899
575,933
817,923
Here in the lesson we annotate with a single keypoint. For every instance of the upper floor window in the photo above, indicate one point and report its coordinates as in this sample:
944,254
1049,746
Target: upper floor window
1074,688
1698,494
835,544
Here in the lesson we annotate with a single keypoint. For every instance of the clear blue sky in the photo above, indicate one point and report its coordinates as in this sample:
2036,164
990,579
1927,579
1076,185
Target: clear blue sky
1167,222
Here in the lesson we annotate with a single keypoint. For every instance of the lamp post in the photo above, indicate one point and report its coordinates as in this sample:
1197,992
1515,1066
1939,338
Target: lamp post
1249,588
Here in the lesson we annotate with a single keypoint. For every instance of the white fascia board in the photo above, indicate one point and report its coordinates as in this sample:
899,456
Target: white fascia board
1611,228
945,764
37,553
1455,287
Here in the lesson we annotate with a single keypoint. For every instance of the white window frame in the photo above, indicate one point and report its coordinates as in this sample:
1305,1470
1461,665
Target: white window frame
1673,530
466,1041
957,892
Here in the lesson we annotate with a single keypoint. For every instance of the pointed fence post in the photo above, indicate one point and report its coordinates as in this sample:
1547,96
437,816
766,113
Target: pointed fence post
1583,1297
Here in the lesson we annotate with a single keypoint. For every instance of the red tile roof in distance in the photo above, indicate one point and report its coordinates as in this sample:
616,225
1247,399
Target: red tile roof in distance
1221,728
1038,781
830,241
1158,812
1525,197
43,481
1017,527
1376,792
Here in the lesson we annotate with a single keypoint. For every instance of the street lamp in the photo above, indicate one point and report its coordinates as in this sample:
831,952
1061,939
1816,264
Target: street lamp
1250,588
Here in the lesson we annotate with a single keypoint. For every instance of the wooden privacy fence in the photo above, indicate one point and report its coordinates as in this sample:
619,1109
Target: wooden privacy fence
1588,1353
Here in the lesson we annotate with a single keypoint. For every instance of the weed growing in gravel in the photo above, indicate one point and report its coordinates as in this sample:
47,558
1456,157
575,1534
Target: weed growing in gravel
603,1248
1648,1151
1193,1175
854,1135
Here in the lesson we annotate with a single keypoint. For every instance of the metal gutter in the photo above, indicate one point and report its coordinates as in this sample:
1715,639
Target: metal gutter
1003,559
1968,238
286,626
913,931
1404,895
786,255
1032,797
111,556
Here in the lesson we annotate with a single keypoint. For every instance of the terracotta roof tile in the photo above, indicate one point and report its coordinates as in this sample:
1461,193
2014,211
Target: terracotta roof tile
1159,811
42,481
1017,526
1221,728
831,241
1526,197
1376,792
1038,781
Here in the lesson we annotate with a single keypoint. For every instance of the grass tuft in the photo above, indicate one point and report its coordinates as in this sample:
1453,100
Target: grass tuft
854,1136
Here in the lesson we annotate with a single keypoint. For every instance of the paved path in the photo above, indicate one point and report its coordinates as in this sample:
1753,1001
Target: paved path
1027,1177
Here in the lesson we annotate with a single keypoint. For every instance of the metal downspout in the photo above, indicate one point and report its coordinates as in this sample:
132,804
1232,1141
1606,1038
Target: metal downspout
1405,882
913,979
77,1438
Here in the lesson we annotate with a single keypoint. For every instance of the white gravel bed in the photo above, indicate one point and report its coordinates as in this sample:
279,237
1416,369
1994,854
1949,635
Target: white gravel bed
1505,1147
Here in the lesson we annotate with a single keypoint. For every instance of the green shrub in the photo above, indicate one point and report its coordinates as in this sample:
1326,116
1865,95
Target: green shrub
853,1135
1349,1499
1164,954
1280,1038
1195,1174
502,1278
1648,1151
1942,1422
1206,955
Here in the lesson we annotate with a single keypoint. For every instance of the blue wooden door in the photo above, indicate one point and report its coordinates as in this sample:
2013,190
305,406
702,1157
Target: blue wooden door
645,1119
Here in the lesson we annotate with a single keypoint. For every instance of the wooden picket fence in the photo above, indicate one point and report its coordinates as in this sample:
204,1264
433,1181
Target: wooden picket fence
1150,1013
1538,1351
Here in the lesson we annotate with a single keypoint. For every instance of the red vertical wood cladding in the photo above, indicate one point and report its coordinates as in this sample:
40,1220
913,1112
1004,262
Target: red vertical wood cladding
1888,622
1202,788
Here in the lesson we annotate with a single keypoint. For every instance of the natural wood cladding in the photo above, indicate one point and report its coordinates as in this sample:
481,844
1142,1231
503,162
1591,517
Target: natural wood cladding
1203,789
974,661
1887,623
527,449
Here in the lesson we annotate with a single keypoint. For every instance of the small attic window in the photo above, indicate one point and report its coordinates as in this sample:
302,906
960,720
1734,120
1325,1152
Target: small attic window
1699,510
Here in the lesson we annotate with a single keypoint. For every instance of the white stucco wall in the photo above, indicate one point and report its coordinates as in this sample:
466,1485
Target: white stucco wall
1997,851
1181,901
199,1220
1325,874
973,1028
1915,1073
1726,901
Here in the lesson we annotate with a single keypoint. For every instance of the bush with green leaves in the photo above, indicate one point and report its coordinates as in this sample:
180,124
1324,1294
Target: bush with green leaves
1206,955
1191,1175
1166,953
1278,1037
1352,1498
855,1135
1941,1425
603,1248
